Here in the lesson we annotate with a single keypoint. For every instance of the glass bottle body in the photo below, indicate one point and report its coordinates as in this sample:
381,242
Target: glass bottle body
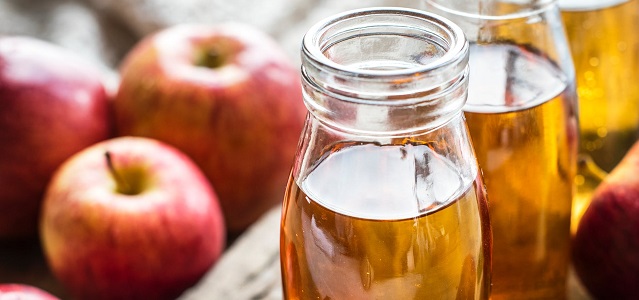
527,155
385,200
605,51
352,230
521,112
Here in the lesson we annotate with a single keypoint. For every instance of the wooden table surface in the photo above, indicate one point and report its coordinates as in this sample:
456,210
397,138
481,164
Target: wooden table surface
248,270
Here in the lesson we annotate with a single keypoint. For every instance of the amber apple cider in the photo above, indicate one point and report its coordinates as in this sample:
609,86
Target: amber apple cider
369,223
521,116
605,50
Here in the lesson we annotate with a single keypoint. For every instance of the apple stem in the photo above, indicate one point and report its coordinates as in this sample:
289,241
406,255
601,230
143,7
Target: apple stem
211,58
122,185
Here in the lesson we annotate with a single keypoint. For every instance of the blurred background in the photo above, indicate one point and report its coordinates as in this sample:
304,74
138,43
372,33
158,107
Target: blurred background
104,30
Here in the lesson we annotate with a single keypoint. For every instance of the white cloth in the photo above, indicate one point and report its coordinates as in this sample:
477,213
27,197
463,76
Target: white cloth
104,30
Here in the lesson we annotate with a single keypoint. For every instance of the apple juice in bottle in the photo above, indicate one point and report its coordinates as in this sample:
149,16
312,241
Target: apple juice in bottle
605,50
385,199
521,112
526,151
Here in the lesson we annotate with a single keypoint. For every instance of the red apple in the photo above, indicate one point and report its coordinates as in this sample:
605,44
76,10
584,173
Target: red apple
606,245
52,104
227,96
16,291
130,218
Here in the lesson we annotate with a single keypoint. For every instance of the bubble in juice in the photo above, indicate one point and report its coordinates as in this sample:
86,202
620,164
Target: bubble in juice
385,222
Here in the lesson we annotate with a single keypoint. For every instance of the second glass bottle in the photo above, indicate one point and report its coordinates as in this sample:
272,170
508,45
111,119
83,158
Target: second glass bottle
522,116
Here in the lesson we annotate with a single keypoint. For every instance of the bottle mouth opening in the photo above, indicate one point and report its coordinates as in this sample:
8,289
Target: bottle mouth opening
587,5
406,42
493,10
385,70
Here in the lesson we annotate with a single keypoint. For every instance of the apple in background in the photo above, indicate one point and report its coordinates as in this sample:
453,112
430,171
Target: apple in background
605,249
130,218
16,291
52,104
227,96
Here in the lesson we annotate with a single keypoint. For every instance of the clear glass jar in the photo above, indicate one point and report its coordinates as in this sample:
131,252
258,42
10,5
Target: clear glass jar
605,49
522,116
385,199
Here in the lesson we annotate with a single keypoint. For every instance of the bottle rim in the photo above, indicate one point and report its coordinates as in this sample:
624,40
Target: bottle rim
385,70
314,43
536,8
587,5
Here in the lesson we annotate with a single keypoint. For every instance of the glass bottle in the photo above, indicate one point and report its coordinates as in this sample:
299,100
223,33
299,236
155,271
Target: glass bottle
385,198
605,49
521,112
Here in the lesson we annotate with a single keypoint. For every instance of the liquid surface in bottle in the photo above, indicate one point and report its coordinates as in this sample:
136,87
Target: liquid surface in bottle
524,134
605,47
588,5
385,222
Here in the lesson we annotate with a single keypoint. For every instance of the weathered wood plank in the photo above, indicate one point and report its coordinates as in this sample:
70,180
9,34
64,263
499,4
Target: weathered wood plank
249,269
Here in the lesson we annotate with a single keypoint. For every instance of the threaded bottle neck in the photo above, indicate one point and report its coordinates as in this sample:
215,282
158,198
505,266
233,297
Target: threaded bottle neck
385,70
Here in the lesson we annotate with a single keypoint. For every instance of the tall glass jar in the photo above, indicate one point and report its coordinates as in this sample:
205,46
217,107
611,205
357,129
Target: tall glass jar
521,112
385,199
605,49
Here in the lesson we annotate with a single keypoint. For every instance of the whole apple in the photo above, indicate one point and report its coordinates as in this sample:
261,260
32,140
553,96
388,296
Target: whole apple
227,96
130,218
52,105
17,291
605,250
